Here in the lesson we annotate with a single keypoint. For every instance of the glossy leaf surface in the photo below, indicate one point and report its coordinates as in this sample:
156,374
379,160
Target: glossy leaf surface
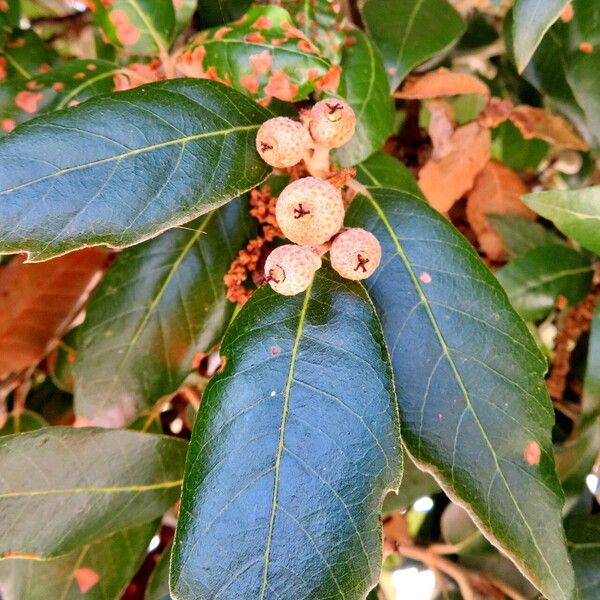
294,448
470,382
410,32
161,155
384,170
160,303
83,469
365,86
576,213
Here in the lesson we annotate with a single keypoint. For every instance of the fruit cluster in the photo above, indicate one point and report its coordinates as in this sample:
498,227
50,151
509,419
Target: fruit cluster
310,211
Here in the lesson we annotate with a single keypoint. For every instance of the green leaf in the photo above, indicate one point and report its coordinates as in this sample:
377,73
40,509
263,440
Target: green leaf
590,403
82,484
581,77
512,149
415,484
160,303
262,55
27,55
470,383
22,422
323,23
292,453
520,235
160,156
9,17
410,32
535,280
184,11
158,584
364,85
583,535
219,12
114,560
576,213
139,26
383,170
532,19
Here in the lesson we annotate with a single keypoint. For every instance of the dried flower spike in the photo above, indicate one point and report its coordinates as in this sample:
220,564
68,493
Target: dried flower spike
310,211
290,269
332,122
355,254
282,142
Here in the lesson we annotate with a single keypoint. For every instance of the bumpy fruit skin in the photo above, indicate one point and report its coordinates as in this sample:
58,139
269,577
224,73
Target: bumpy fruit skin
282,142
290,269
332,122
355,254
310,211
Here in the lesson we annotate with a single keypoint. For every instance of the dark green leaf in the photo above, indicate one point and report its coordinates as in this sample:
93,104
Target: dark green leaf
80,485
292,453
158,585
184,11
160,155
532,19
365,86
583,535
9,17
262,55
383,170
21,422
219,12
159,304
582,78
470,382
535,280
114,560
576,213
410,32
520,235
27,55
415,484
139,26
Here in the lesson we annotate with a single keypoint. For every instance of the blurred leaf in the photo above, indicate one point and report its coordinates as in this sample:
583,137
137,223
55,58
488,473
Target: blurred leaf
520,235
60,361
184,11
535,280
38,302
470,382
304,405
415,484
160,303
161,155
512,149
384,170
113,561
27,55
532,19
22,422
583,535
262,55
458,529
576,213
139,26
218,12
89,471
38,9
369,97
158,585
410,32
590,403
441,82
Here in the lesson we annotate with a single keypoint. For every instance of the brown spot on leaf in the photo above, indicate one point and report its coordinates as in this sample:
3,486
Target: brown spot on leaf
262,23
127,33
425,277
221,33
586,47
567,14
8,125
275,350
28,101
281,87
532,453
261,63
250,82
254,37
86,579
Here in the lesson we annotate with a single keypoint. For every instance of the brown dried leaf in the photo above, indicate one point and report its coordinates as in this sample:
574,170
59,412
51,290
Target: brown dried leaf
445,181
497,191
38,302
537,123
441,82
441,127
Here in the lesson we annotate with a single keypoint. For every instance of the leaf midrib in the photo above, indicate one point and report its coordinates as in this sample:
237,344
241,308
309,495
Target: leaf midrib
73,93
129,153
544,279
445,348
95,490
280,443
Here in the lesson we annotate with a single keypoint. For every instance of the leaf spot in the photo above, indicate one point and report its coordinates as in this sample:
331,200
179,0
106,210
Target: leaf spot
86,579
532,453
425,277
